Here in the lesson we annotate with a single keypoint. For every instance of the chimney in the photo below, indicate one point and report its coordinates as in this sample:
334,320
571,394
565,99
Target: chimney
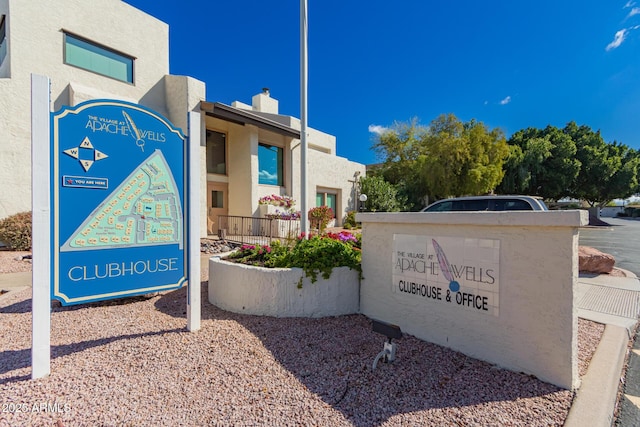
264,103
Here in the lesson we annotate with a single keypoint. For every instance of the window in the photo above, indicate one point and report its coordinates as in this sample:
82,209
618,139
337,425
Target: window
270,165
217,199
511,205
216,152
89,56
327,199
3,38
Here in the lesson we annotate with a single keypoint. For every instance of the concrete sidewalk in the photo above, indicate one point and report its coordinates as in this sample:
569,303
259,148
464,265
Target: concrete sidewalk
613,301
15,281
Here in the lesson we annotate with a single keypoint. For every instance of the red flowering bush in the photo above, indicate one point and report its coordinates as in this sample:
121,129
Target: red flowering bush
319,217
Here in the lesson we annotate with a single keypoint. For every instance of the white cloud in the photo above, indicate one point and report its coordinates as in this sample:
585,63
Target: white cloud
505,101
377,129
267,177
617,39
634,11
629,4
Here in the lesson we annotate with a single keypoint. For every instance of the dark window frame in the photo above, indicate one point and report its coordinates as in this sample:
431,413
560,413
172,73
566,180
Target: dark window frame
279,164
224,137
98,46
3,38
325,195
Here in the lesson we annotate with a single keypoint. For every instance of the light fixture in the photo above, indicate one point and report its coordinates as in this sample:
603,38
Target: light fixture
363,198
388,353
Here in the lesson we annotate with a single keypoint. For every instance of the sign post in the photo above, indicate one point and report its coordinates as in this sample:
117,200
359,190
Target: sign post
193,291
41,300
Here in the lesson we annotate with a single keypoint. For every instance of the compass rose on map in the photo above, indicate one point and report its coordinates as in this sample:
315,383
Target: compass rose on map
86,154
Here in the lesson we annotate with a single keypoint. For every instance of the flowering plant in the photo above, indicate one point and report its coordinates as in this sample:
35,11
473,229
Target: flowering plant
286,215
276,200
346,237
315,255
320,217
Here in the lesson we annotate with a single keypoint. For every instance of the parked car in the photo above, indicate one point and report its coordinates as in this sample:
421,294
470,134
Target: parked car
487,203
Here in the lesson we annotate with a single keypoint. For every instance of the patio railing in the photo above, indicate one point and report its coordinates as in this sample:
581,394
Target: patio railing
260,231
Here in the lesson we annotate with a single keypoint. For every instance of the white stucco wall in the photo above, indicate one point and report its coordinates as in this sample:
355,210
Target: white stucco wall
535,329
327,172
611,211
36,45
274,291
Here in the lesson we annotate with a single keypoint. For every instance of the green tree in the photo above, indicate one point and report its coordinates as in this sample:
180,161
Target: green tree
447,158
541,162
462,158
398,148
608,171
381,195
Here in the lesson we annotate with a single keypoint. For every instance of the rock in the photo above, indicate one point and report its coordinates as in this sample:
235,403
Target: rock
592,260
215,246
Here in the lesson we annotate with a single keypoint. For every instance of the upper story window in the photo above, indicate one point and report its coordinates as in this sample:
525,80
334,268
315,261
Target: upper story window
99,59
270,165
3,38
216,152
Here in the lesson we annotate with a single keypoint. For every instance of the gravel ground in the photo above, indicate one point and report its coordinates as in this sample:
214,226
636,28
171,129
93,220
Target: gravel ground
12,262
132,363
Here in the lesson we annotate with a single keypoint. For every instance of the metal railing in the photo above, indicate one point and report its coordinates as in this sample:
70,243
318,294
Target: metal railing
256,231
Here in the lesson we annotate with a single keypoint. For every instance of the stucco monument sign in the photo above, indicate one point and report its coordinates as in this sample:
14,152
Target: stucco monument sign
118,173
454,272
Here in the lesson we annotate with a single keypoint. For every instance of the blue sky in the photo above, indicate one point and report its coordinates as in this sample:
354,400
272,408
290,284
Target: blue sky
509,64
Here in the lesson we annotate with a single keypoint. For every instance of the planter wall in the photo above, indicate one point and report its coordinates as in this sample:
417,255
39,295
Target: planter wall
241,288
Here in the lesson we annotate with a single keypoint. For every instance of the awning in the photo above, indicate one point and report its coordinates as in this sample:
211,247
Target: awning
243,117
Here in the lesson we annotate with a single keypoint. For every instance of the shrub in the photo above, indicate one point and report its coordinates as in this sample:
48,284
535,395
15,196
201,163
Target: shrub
315,255
320,216
15,231
350,220
253,254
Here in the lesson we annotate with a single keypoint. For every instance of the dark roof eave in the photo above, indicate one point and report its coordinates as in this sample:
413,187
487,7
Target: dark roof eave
243,117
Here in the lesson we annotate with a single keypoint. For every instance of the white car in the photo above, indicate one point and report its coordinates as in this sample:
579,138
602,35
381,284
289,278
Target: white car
487,203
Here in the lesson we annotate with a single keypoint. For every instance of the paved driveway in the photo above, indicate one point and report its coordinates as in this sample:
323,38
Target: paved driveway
621,239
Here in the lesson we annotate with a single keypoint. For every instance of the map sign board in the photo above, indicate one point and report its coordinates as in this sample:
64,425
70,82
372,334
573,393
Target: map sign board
118,202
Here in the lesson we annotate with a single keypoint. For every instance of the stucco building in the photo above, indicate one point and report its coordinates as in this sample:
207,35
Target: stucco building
89,50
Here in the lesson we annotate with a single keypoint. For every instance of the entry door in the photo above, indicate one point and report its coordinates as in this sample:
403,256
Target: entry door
217,204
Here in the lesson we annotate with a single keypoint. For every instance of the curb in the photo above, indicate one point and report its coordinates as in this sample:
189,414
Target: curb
596,398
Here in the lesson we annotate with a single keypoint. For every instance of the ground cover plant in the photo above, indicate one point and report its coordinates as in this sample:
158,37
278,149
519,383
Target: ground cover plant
318,254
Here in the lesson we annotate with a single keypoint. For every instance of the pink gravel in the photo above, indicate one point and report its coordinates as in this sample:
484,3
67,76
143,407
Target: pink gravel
132,363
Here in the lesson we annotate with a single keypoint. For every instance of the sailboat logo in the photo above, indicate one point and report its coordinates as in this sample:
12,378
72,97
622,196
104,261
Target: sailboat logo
445,267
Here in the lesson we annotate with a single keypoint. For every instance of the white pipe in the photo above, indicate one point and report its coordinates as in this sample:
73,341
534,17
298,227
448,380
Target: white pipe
384,353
